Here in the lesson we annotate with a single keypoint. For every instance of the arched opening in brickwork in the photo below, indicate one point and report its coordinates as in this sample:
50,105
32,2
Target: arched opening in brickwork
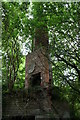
35,79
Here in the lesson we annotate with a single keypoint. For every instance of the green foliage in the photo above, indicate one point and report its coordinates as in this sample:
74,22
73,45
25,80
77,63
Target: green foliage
63,22
12,57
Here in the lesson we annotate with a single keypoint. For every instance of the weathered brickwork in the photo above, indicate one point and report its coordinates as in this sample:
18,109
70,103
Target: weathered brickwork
37,62
41,37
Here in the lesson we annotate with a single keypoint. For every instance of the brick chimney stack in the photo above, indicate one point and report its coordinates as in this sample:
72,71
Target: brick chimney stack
41,38
37,63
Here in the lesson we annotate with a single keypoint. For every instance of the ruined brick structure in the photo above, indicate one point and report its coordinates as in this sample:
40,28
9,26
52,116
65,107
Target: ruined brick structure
37,103
38,76
37,63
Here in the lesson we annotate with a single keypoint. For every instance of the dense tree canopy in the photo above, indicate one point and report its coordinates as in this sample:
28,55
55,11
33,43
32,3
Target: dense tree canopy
62,21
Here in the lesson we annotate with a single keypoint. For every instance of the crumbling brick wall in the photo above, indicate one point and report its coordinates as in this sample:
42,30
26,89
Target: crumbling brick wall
37,62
